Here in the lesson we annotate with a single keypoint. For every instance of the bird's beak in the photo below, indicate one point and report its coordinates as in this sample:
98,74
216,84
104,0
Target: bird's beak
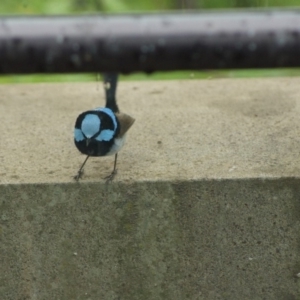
88,141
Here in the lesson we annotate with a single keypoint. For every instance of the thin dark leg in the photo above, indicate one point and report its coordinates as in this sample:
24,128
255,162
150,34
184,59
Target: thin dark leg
114,172
80,172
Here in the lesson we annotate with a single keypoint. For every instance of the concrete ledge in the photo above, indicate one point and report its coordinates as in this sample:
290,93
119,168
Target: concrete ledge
184,130
205,205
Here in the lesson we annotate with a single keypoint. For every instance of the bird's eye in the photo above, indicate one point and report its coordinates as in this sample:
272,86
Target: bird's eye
112,116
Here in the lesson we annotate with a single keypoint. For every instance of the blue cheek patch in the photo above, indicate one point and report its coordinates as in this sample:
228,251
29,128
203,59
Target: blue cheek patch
78,135
110,113
105,135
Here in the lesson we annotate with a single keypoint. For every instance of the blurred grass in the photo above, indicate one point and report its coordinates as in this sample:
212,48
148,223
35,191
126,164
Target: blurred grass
156,76
117,6
49,7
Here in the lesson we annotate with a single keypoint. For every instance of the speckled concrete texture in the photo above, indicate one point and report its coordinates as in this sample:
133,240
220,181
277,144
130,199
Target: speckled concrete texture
184,130
205,204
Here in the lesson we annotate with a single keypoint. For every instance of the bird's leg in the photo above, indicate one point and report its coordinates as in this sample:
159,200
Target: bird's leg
114,172
80,171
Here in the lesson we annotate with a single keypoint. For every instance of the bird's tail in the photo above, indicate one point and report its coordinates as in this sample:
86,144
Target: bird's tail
110,85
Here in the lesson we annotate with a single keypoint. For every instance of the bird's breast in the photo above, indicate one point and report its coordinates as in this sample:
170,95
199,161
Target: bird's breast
117,145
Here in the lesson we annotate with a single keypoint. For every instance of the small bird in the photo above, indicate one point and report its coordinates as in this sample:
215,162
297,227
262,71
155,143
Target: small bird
101,131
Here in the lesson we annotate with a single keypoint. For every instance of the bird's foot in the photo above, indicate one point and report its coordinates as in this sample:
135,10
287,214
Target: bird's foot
111,177
78,175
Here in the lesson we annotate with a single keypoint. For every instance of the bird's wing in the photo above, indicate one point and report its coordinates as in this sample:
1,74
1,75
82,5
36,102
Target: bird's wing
125,123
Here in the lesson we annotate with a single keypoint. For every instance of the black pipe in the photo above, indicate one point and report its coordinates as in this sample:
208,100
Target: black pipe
148,43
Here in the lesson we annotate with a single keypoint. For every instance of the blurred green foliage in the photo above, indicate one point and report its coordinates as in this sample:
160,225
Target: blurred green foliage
48,7
117,6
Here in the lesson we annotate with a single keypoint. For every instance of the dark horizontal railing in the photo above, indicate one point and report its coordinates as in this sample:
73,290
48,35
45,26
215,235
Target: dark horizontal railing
148,43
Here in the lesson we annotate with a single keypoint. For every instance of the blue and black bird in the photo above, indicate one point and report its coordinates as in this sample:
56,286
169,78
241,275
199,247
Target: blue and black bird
101,131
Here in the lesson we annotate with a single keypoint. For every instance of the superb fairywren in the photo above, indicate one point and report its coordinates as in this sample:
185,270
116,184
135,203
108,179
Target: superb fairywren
101,131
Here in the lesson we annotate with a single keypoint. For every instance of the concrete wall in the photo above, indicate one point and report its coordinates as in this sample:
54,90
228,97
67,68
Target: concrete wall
206,203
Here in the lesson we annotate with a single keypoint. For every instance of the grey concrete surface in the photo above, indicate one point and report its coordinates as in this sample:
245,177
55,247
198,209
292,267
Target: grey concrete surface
205,204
